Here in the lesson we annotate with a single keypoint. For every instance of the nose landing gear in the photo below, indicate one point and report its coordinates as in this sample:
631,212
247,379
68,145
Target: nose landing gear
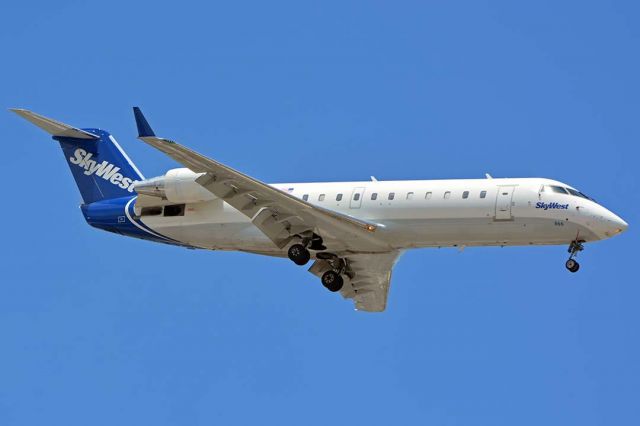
574,248
572,265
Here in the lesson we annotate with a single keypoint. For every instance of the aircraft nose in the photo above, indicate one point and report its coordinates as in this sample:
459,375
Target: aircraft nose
622,225
616,225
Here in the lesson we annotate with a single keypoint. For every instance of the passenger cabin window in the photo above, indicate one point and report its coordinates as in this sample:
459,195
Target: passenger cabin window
305,197
151,211
339,197
409,195
483,194
427,196
374,196
392,195
356,196
447,195
174,210
465,194
321,197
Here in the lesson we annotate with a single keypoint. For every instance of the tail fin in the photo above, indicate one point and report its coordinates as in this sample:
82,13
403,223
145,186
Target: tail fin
101,168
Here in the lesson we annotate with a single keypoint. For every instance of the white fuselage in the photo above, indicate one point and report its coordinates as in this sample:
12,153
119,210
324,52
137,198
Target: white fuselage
427,213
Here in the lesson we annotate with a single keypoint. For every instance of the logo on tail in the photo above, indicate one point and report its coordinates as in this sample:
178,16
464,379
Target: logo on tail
105,170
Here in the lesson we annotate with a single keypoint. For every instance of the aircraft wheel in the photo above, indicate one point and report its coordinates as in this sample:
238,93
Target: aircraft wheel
572,265
299,254
332,281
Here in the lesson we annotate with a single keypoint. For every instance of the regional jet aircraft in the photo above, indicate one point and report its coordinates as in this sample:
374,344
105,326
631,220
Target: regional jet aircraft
353,231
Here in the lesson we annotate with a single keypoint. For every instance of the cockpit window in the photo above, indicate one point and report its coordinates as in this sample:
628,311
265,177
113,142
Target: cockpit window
563,190
578,193
586,196
557,189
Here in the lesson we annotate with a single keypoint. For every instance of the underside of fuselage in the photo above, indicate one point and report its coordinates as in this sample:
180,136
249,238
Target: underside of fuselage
399,234
195,231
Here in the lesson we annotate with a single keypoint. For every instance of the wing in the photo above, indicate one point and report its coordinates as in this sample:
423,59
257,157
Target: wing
278,214
370,279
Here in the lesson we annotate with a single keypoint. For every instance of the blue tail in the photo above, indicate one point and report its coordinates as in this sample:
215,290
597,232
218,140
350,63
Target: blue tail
105,176
101,168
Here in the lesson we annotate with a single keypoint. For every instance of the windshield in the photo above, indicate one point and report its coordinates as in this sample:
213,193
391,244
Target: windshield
579,194
554,188
565,190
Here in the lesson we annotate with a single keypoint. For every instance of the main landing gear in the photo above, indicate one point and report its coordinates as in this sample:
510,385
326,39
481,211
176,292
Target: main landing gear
335,267
299,252
574,248
332,279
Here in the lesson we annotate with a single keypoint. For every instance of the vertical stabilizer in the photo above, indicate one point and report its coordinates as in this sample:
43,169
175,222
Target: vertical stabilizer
101,169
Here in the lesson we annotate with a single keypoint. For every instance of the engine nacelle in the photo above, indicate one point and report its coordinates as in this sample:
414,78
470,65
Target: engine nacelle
176,186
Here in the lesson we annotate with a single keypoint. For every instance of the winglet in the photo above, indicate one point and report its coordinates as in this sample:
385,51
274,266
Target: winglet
144,129
53,127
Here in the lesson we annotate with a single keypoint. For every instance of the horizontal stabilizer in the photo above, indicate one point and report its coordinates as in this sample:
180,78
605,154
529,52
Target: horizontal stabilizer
53,127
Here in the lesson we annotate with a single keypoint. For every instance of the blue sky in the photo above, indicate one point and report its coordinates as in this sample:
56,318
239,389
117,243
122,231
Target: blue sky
102,330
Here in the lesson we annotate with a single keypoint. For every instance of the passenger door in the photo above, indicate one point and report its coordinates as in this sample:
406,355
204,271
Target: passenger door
504,202
356,198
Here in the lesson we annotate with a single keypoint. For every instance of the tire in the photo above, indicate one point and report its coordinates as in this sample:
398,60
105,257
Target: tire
572,265
332,281
299,254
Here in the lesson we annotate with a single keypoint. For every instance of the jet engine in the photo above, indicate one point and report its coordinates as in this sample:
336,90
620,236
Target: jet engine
176,186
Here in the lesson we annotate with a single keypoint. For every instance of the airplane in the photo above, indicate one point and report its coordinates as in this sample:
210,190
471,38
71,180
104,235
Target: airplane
353,231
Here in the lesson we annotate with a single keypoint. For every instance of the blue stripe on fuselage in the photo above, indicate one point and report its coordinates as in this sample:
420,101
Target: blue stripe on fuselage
117,215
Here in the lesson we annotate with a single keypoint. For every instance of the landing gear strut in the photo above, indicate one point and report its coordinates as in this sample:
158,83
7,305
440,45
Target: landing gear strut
574,248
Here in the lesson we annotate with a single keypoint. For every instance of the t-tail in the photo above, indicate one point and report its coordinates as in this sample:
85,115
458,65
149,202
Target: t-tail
101,169
105,176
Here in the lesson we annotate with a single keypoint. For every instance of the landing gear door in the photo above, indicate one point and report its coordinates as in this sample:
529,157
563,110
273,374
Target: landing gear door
504,202
356,198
